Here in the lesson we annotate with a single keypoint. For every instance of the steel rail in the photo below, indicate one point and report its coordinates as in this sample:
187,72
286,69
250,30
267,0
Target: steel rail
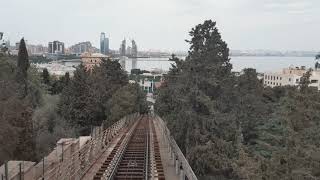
147,152
122,150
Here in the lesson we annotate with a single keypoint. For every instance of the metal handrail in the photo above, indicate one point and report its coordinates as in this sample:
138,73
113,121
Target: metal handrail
87,154
172,143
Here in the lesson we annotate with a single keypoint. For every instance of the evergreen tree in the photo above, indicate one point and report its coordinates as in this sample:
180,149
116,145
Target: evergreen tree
66,79
58,84
46,76
305,81
85,100
74,101
22,67
197,98
106,79
127,100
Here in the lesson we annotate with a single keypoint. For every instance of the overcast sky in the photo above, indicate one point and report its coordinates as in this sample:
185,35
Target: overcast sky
164,24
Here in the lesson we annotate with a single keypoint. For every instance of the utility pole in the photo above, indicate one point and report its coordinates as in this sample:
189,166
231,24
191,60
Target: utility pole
62,151
20,171
6,174
43,168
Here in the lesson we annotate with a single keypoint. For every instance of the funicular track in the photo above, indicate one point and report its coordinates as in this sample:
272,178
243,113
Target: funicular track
136,156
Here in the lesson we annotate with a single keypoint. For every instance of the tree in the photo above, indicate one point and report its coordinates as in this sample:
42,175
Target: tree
84,102
22,67
46,76
196,101
251,108
73,105
15,116
305,81
106,80
58,84
127,100
66,78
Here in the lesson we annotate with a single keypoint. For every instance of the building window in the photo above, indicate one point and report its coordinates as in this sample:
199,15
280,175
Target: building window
290,79
280,78
265,76
280,84
274,83
277,84
277,77
297,80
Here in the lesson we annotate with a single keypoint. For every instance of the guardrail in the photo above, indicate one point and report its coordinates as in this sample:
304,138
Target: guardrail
70,161
183,169
80,161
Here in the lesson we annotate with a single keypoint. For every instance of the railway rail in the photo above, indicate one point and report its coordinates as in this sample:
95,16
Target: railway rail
136,155
135,148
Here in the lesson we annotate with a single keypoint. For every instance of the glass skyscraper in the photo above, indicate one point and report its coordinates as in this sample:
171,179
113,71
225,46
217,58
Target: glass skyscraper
104,44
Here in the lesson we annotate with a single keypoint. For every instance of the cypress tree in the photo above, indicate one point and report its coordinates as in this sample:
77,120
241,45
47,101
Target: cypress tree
46,76
22,67
66,78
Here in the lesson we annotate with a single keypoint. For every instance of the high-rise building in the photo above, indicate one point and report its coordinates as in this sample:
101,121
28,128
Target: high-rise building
122,49
3,44
104,44
134,49
36,49
128,51
81,48
56,47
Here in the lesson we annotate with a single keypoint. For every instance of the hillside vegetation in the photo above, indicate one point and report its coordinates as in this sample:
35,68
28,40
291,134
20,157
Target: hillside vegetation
37,109
231,127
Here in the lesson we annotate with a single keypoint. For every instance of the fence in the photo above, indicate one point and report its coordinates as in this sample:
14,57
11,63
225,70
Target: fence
183,168
71,160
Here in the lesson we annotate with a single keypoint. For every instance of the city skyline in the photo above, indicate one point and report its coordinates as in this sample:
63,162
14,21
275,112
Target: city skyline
164,25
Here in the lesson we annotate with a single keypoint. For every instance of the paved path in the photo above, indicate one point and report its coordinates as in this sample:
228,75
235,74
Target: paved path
167,162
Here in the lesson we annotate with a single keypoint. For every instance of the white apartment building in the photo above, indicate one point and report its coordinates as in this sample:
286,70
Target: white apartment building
290,77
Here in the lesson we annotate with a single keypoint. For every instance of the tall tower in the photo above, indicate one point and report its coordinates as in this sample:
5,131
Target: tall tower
134,50
123,48
104,44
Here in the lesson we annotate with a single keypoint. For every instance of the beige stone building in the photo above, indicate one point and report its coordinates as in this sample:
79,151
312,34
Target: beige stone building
291,77
90,60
